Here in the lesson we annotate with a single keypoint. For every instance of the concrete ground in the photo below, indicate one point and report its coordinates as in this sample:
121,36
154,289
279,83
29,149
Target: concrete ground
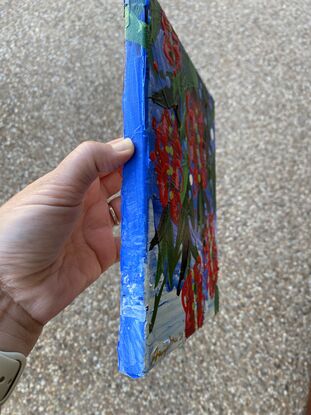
61,66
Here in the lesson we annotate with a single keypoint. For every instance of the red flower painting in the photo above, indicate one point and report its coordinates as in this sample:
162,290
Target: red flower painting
187,300
210,254
167,158
197,151
171,45
192,298
183,166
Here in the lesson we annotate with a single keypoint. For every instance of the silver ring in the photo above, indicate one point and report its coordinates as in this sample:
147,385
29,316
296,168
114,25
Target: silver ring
114,215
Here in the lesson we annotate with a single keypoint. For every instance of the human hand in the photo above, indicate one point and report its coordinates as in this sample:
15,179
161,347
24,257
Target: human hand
56,238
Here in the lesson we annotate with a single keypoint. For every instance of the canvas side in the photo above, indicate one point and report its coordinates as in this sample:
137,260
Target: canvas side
134,209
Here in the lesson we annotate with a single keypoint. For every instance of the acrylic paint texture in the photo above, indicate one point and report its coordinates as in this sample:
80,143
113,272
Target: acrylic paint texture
169,264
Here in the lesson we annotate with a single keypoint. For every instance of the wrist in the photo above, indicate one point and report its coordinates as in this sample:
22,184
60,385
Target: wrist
19,332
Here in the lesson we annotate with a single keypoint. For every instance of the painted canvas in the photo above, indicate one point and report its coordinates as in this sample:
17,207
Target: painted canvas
169,264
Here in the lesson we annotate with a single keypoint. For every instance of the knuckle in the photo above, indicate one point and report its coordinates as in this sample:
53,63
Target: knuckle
86,146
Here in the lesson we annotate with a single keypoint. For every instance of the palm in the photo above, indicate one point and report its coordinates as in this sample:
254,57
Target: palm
91,248
64,248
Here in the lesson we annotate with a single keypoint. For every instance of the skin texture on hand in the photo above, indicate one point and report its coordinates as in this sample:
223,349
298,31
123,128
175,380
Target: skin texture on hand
56,236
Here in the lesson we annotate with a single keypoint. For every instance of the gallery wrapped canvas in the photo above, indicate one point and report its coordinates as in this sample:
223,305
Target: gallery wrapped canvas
169,263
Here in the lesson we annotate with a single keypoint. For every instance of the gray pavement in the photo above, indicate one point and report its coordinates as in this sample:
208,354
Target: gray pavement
61,68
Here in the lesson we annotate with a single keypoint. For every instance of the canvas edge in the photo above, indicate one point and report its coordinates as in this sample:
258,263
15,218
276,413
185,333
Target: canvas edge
134,210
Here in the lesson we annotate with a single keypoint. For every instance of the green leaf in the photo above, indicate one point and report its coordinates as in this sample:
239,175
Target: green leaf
155,241
192,214
200,208
190,76
153,30
160,231
182,129
165,98
161,256
184,262
212,177
155,25
177,115
156,306
194,250
181,230
185,183
216,300
177,85
171,255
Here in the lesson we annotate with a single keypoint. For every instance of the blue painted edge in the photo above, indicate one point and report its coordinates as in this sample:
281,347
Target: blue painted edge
134,210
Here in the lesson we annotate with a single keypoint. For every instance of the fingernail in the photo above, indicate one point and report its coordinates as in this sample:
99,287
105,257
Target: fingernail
123,145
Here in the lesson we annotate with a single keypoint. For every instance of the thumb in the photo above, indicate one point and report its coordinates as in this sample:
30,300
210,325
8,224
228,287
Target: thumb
90,160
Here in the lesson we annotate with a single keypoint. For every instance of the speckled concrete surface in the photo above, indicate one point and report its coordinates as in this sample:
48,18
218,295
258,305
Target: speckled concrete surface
61,83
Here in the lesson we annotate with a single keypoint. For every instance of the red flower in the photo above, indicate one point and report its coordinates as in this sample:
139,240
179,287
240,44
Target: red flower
192,299
210,254
197,150
161,170
156,66
171,45
167,158
199,292
187,300
175,206
192,295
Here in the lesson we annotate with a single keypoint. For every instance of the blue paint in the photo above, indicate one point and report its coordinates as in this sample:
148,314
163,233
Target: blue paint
131,347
